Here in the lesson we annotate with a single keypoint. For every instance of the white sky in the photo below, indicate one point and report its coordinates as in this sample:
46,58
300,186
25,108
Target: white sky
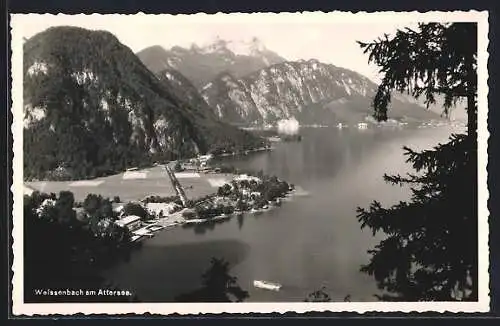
328,40
328,37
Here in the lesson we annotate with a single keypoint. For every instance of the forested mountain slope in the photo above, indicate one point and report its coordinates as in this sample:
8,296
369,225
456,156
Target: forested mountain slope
92,108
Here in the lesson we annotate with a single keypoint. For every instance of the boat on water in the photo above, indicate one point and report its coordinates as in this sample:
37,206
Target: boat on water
267,285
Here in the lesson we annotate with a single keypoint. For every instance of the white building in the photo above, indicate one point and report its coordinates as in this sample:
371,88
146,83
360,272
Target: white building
131,222
362,125
206,157
117,208
247,177
274,139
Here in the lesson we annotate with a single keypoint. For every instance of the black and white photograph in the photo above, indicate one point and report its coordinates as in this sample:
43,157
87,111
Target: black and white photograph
284,162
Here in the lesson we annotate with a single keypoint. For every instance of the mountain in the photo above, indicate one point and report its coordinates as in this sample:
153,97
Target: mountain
458,112
310,91
92,108
182,88
201,64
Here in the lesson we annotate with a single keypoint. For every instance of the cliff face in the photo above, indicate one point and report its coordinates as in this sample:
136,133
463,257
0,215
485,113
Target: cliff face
201,64
91,107
310,91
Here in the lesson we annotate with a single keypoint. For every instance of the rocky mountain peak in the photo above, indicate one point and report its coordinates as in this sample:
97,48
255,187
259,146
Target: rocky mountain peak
310,91
202,63
218,45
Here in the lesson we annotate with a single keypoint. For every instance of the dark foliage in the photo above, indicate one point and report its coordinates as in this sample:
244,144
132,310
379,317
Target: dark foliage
98,207
65,254
224,190
177,166
318,296
161,199
434,60
269,188
217,286
137,210
430,252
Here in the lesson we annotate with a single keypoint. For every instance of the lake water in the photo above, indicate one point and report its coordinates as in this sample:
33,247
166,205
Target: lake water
309,242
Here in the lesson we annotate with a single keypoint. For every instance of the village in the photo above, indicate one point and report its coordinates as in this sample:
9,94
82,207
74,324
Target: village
191,202
244,193
239,192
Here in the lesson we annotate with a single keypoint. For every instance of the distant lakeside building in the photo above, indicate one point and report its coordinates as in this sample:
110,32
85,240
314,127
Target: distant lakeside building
362,125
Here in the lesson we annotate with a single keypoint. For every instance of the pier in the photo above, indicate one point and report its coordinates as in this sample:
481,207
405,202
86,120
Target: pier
177,186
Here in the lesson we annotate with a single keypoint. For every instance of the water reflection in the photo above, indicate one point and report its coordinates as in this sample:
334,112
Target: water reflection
202,228
210,224
240,220
158,273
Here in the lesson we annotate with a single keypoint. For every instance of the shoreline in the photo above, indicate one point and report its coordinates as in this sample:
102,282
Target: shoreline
420,125
26,182
171,222
199,214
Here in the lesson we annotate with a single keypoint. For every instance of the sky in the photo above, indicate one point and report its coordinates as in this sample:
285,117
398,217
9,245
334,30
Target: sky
293,37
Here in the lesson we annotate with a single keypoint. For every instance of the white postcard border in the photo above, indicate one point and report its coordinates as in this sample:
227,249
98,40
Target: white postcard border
21,308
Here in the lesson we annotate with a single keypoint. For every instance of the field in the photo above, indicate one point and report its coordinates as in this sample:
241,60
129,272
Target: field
135,185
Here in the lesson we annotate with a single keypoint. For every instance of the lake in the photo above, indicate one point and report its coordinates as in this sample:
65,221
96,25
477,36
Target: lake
309,242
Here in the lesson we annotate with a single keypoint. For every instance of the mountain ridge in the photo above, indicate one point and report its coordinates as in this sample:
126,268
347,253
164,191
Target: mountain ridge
92,108
200,64
310,91
237,101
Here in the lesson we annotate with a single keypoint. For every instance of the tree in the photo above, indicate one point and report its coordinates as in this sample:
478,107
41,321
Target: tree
430,252
177,166
98,207
136,209
224,190
189,214
241,205
434,60
318,296
228,210
217,286
64,205
92,203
